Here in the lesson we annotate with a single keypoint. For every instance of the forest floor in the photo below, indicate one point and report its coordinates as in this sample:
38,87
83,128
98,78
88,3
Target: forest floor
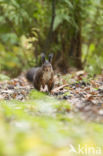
35,123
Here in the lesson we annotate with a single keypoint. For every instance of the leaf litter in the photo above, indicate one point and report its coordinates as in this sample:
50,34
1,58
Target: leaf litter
83,93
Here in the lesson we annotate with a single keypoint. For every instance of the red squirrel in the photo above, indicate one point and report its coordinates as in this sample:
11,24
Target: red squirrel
44,75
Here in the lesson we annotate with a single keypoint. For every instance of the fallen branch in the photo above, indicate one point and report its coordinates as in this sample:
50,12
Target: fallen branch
59,88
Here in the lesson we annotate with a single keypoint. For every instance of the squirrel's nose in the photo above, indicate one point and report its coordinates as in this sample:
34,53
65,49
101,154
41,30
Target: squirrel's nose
47,69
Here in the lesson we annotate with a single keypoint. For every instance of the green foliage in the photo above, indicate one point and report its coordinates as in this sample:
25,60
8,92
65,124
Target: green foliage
19,20
94,61
31,20
4,77
92,54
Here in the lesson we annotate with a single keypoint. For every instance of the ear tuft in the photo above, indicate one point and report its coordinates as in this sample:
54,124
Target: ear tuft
50,57
42,57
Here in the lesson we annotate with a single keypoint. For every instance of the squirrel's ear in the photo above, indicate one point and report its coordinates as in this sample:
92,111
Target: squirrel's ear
50,57
42,57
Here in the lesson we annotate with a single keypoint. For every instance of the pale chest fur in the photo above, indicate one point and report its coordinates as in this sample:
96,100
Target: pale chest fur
47,76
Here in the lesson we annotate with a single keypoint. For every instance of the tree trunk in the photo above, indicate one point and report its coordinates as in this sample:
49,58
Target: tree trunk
75,49
48,41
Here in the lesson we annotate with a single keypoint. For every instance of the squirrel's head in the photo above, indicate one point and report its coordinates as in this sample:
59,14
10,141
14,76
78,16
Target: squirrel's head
47,64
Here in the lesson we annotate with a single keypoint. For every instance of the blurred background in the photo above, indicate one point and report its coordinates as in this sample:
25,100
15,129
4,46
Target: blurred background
71,29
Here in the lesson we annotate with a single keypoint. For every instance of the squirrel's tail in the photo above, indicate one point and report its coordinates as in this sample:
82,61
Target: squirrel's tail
30,74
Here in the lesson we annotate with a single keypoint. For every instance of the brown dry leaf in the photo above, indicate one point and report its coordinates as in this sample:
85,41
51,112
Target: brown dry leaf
14,95
93,93
79,77
23,92
87,89
89,97
94,84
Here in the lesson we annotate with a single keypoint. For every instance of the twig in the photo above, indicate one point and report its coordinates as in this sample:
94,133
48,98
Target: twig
60,88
